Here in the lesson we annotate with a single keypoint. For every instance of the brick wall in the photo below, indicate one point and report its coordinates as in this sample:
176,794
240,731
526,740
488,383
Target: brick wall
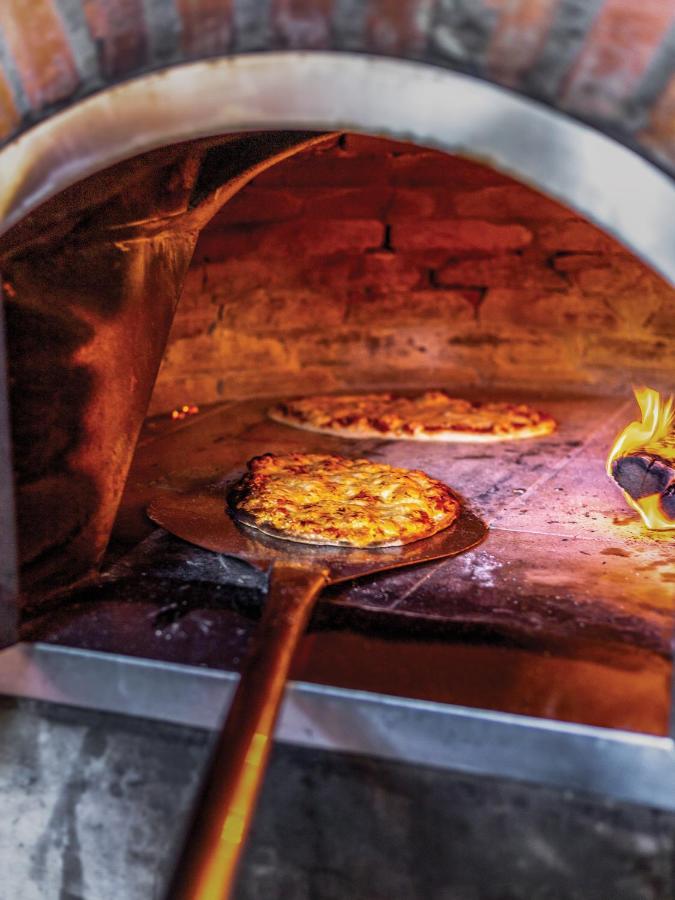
373,263
607,62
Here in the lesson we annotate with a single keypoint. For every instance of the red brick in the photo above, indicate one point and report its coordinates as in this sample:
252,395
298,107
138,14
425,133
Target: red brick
190,323
239,276
662,320
519,309
9,115
419,203
425,257
459,236
118,28
194,294
283,311
371,347
576,236
40,49
255,204
292,239
214,352
517,40
636,353
302,23
617,52
397,26
619,274
509,203
574,262
435,169
501,271
422,203
633,308
472,295
367,274
207,25
411,307
659,134
532,359
345,203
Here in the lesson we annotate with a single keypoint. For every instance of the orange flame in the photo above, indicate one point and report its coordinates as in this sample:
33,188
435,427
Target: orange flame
656,433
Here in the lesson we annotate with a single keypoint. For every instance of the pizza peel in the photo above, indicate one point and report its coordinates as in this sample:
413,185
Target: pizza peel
298,573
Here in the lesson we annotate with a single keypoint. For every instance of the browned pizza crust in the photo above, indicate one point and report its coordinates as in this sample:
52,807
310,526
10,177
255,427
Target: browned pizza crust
323,499
430,416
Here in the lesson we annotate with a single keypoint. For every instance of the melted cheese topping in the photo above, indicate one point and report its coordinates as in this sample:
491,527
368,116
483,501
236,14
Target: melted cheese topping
433,415
333,500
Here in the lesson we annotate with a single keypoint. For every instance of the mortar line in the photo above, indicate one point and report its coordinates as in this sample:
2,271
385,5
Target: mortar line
416,585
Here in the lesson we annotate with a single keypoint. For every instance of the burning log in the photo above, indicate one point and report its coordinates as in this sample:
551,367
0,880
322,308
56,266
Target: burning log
643,474
642,461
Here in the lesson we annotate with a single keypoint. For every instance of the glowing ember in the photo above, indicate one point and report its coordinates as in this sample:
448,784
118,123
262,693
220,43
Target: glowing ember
182,412
648,448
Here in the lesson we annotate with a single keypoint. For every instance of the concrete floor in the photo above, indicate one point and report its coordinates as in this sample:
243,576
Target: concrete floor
93,806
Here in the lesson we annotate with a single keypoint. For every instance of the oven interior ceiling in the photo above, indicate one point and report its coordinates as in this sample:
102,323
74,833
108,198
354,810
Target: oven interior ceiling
322,263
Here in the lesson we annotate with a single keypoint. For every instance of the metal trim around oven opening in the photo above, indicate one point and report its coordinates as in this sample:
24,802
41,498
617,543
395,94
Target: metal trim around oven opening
627,766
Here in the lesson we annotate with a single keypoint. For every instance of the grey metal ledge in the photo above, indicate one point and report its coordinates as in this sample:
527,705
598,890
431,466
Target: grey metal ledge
623,765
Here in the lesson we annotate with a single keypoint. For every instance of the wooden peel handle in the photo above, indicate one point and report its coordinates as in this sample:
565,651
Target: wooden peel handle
224,810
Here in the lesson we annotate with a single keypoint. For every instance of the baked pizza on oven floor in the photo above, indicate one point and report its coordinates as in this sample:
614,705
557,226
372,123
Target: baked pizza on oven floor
323,499
430,416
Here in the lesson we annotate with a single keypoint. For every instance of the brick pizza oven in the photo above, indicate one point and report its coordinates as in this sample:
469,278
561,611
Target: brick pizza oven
206,205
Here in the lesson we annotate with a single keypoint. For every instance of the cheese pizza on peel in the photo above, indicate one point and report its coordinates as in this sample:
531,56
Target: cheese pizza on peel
430,416
322,499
